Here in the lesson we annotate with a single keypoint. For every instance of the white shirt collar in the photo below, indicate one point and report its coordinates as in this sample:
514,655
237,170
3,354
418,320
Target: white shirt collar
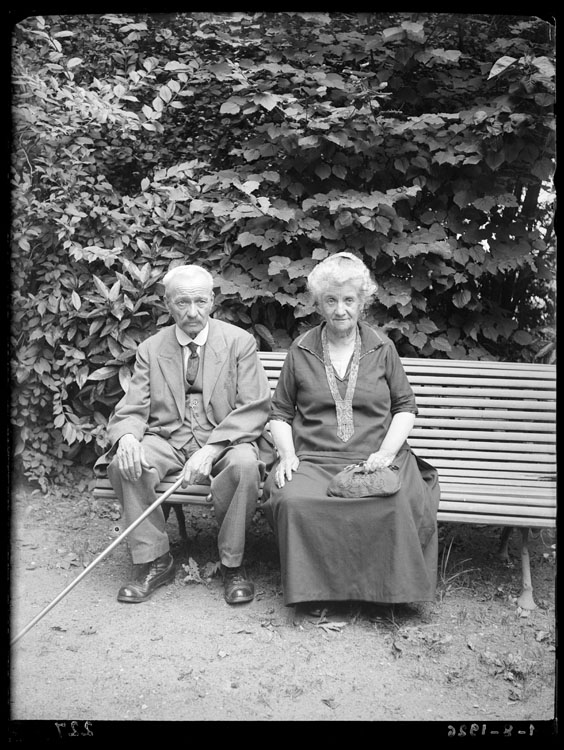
183,338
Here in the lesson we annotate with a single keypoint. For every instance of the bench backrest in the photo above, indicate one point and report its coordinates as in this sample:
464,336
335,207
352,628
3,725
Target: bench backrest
487,422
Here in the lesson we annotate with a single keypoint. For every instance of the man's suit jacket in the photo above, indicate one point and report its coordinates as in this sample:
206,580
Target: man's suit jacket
236,393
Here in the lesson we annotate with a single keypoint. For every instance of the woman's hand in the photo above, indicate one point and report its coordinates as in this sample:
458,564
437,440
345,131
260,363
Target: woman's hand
284,470
379,460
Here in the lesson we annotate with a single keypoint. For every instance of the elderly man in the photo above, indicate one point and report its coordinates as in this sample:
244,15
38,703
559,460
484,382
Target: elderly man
198,402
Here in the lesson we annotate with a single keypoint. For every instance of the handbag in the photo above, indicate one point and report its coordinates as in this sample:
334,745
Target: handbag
355,481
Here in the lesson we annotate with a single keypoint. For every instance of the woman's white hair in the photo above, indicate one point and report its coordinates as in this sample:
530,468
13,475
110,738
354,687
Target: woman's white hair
341,268
190,271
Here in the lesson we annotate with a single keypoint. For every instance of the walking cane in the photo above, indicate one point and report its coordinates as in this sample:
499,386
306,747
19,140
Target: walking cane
100,557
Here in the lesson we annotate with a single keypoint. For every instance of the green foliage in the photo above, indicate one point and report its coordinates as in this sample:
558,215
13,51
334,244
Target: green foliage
257,144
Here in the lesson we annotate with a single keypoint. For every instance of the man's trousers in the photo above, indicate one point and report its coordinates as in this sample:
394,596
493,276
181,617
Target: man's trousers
235,483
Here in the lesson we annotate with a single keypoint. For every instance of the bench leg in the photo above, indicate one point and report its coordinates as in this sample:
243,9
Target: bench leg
526,601
503,550
179,518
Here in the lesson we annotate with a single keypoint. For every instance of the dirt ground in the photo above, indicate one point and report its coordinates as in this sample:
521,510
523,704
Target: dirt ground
185,655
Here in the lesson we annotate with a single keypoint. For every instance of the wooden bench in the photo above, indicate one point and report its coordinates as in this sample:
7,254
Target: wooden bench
489,429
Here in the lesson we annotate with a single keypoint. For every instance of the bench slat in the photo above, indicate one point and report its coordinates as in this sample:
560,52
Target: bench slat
486,414
477,375
486,403
542,439
489,447
515,476
439,462
478,424
502,392
479,366
472,506
540,387
495,520
493,495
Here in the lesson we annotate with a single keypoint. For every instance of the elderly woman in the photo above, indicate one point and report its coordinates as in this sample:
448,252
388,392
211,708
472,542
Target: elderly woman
343,397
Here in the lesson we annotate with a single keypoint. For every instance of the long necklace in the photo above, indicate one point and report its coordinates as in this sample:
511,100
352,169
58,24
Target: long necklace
343,406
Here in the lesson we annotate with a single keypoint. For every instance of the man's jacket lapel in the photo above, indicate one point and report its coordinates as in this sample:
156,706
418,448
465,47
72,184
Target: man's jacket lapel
170,359
217,352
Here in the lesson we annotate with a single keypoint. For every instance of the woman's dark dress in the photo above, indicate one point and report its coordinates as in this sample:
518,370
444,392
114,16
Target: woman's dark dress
331,549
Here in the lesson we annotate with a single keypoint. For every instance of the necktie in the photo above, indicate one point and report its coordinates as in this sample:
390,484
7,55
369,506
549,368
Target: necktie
193,362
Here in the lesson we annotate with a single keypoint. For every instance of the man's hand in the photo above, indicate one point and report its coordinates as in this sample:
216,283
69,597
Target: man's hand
130,458
285,468
198,467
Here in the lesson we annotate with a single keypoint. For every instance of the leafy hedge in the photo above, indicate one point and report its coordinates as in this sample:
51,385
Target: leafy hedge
257,144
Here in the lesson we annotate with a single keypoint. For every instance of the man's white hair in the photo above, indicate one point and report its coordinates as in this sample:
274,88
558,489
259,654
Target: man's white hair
192,270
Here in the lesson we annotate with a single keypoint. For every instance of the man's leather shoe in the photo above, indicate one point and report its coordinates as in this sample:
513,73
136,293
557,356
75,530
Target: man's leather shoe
146,578
236,586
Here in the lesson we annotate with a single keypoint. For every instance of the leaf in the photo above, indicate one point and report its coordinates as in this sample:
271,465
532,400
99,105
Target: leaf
486,203
427,326
462,298
76,301
523,337
73,62
176,66
441,344
268,101
124,376
339,137
495,159
250,186
165,93
278,264
221,70
114,291
545,66
103,373
193,572
393,34
500,65
415,31
309,141
418,340
265,334
229,108
319,253
246,238
82,376
198,206
323,171
211,569
102,288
